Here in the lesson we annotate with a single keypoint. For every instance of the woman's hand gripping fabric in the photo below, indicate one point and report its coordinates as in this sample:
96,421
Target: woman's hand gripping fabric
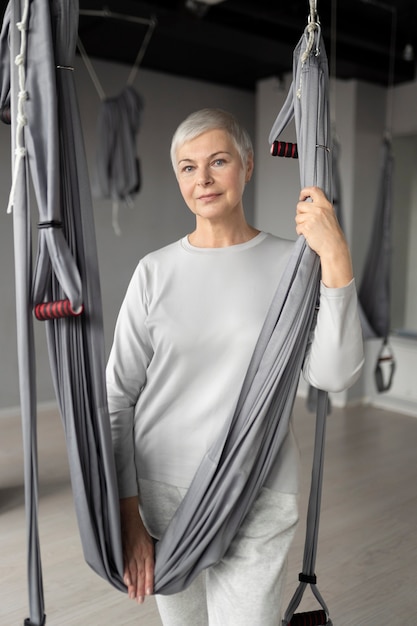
317,222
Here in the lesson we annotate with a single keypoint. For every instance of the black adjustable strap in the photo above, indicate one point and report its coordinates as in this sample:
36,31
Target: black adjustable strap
385,367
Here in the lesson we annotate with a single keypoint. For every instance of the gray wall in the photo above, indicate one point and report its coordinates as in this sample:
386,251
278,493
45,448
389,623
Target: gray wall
158,217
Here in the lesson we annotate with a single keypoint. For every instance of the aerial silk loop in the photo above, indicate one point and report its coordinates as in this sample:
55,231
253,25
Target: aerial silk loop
66,269
311,401
375,289
374,293
117,172
307,103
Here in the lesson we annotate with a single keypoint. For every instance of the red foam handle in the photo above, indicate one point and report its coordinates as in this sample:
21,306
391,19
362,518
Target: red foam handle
55,310
284,149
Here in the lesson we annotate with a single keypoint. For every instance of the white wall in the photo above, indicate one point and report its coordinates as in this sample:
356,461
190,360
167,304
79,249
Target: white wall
158,217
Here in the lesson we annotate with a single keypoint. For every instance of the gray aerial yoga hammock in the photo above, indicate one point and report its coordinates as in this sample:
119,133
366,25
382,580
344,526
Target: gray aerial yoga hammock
311,401
374,291
66,273
117,169
47,136
117,172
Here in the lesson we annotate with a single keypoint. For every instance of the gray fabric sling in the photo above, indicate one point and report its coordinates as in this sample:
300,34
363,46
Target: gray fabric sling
66,267
232,474
375,289
311,402
117,169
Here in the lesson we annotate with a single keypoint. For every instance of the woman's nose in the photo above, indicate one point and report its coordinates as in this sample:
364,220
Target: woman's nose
205,178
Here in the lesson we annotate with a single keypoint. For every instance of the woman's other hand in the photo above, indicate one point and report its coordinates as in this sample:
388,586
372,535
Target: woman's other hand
138,551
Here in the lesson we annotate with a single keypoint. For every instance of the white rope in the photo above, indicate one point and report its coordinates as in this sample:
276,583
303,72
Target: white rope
313,10
21,121
312,26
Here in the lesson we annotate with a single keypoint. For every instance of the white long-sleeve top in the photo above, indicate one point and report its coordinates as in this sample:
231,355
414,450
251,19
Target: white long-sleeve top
183,340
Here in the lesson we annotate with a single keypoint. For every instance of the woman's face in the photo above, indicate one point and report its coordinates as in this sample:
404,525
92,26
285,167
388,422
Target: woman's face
211,175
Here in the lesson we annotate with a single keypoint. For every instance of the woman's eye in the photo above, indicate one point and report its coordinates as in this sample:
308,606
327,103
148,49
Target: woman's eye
218,162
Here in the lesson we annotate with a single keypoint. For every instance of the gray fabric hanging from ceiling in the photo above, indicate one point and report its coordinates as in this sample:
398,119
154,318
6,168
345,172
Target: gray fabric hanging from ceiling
337,183
66,267
10,48
117,166
374,290
307,102
312,394
375,287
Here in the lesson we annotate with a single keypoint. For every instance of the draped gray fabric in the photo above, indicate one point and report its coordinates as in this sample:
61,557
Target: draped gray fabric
375,287
337,183
24,324
374,290
307,102
312,394
231,475
117,168
234,470
66,267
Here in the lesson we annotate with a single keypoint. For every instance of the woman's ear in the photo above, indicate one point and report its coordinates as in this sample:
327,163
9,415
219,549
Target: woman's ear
249,167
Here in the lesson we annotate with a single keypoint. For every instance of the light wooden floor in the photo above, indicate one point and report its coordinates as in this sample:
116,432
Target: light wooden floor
367,557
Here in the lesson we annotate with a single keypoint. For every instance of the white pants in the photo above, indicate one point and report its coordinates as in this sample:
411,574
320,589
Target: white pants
245,587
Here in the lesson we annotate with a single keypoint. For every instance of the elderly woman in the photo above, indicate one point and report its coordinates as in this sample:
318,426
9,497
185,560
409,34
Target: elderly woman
183,340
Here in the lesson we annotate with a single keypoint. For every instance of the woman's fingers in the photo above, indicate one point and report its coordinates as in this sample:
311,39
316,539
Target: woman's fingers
139,568
138,551
144,580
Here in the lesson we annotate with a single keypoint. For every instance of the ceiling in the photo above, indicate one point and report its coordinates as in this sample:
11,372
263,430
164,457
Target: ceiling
238,42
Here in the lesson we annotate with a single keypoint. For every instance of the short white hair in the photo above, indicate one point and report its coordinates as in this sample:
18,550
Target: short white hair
203,120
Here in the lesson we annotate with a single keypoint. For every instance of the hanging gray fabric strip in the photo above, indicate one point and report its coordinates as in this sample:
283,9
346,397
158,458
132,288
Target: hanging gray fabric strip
76,345
237,466
374,290
24,324
117,169
310,107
